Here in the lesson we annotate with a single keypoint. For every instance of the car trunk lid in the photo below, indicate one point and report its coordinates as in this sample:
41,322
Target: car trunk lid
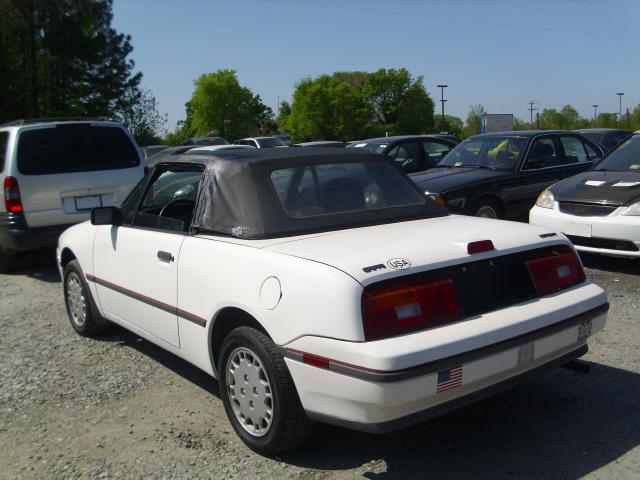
375,253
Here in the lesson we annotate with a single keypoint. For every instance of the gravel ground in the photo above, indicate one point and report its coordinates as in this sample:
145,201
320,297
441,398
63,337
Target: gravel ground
121,407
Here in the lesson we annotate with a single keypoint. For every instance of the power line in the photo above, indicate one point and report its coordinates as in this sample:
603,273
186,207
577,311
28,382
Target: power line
474,21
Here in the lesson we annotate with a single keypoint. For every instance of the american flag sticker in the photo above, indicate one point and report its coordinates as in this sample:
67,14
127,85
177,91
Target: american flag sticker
449,378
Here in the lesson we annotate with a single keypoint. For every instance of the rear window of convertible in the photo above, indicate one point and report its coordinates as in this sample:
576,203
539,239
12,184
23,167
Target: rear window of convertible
70,148
332,188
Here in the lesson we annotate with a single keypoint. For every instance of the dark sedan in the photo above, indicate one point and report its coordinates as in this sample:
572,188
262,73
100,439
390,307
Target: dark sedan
609,138
500,175
412,153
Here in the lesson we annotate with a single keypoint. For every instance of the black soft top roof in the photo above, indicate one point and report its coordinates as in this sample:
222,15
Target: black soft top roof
238,198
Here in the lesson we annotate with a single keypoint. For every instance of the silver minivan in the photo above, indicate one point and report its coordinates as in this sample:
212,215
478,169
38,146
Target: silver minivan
54,172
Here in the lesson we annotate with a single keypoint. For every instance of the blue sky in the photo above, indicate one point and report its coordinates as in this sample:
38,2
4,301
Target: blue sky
499,53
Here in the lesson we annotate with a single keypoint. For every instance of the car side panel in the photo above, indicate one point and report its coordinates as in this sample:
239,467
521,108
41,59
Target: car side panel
315,299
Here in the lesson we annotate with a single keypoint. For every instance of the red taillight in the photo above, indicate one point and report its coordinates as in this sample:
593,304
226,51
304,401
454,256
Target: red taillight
12,200
554,268
146,169
398,307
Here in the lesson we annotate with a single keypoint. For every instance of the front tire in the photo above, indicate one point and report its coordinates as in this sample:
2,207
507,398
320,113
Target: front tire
259,395
487,208
82,312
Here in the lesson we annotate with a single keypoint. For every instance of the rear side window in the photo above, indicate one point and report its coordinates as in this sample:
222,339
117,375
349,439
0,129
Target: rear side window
343,187
75,148
574,151
406,156
4,139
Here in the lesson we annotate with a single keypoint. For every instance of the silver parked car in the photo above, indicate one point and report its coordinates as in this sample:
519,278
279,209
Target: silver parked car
54,172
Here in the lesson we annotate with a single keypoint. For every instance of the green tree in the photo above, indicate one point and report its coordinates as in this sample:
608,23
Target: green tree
550,119
63,58
400,104
607,120
283,115
570,118
142,117
519,124
634,118
327,108
472,125
220,105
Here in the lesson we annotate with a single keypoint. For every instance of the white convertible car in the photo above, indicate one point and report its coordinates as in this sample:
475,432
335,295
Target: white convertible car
323,285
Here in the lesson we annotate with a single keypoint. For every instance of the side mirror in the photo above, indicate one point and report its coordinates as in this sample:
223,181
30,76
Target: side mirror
106,216
534,163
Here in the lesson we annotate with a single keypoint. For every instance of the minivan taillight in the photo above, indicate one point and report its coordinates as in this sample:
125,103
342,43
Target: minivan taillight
401,306
554,268
12,200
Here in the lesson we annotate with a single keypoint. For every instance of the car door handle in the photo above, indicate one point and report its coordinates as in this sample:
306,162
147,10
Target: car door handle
165,256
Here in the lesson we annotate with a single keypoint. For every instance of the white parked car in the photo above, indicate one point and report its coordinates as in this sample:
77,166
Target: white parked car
321,284
261,142
598,210
219,148
54,172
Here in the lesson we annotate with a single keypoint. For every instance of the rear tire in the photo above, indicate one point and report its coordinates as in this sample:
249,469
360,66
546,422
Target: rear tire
81,309
487,208
259,395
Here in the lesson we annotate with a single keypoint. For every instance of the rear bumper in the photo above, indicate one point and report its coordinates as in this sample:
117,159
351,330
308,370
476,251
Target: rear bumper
453,404
356,393
593,234
17,236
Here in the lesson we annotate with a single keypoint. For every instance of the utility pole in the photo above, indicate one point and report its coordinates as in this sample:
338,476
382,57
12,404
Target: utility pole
531,110
620,94
442,100
595,115
628,119
278,108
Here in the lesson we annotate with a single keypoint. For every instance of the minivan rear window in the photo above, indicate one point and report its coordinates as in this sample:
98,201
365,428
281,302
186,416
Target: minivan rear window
75,148
4,139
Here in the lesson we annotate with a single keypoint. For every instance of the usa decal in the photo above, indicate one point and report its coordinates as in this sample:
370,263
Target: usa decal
399,263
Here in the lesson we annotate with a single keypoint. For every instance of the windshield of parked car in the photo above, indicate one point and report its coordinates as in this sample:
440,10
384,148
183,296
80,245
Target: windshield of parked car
625,157
342,187
494,152
369,147
270,142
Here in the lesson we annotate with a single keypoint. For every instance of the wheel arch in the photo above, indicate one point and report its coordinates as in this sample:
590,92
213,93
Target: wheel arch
227,319
66,256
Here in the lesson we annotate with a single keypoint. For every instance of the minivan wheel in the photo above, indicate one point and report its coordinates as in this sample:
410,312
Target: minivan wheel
259,395
81,310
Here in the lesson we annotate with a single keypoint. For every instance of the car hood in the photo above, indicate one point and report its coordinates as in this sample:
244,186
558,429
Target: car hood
440,180
370,254
611,188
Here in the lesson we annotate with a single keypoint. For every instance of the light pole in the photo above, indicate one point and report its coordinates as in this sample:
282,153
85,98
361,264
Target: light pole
531,110
595,115
442,100
620,94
